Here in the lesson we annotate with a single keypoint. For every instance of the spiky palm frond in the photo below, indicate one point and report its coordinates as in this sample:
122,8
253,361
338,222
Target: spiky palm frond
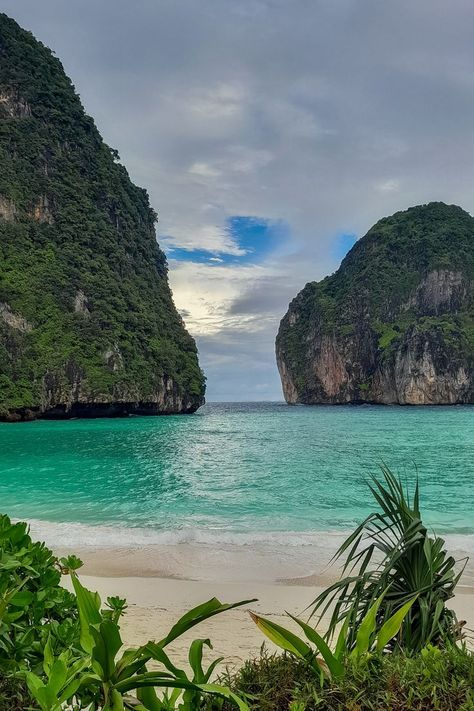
391,550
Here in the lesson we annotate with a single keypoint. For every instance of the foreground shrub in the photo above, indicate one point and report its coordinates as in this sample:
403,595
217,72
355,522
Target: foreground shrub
33,605
413,566
370,639
435,680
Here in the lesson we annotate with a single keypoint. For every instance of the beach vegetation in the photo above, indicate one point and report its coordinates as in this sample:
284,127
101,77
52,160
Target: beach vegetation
437,679
370,638
392,553
397,645
63,650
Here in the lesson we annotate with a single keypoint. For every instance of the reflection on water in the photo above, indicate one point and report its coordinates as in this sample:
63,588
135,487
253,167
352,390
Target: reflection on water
234,468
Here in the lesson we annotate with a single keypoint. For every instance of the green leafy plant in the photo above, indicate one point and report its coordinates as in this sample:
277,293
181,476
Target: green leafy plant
33,605
439,679
411,565
69,651
332,664
103,675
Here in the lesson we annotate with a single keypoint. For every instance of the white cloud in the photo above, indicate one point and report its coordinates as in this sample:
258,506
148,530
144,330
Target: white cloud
204,170
213,238
206,293
217,103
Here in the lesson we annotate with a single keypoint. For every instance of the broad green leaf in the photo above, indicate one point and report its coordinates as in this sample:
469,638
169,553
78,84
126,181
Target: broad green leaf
210,669
282,637
366,629
89,612
152,679
48,657
334,665
195,658
57,676
116,701
69,691
199,614
341,644
131,661
34,682
150,699
107,642
391,627
159,655
224,692
23,598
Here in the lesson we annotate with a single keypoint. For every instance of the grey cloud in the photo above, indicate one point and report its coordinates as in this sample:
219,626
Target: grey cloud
327,114
270,295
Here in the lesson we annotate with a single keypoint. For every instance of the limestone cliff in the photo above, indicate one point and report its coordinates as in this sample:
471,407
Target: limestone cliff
87,322
394,324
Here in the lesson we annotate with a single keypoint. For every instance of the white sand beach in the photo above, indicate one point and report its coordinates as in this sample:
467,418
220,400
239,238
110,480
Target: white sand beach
157,601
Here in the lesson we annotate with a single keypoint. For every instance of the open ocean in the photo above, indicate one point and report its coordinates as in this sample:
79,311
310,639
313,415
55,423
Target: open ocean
237,473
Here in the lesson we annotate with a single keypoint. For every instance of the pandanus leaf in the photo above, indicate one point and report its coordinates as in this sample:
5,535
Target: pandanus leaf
391,627
366,629
282,637
335,667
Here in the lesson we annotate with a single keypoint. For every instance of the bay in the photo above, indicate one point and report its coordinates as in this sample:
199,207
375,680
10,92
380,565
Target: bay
239,469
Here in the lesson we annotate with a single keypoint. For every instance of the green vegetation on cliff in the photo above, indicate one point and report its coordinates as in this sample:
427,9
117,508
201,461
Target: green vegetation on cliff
86,313
410,277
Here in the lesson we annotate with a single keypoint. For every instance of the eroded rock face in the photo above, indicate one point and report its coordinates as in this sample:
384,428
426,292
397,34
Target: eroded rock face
7,209
66,395
41,211
14,320
81,303
12,105
395,324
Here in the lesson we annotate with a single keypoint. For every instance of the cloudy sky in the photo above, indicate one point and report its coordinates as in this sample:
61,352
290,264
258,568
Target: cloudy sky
270,134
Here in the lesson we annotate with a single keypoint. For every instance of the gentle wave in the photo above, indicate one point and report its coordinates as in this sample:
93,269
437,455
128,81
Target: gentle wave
83,535
70,535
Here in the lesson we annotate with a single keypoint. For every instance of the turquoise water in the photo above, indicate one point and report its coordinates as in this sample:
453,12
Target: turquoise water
235,470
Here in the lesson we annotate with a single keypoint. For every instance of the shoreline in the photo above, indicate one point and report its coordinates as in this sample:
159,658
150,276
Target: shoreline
207,555
163,581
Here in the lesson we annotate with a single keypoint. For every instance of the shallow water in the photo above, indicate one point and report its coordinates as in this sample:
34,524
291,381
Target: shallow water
238,472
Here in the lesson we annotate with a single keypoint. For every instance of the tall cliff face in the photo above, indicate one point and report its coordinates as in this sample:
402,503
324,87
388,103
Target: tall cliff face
87,321
394,324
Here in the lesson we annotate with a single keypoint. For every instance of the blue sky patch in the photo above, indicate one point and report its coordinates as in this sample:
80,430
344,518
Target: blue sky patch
255,236
343,243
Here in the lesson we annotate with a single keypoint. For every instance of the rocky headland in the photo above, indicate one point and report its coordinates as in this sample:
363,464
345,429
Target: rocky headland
394,324
87,322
